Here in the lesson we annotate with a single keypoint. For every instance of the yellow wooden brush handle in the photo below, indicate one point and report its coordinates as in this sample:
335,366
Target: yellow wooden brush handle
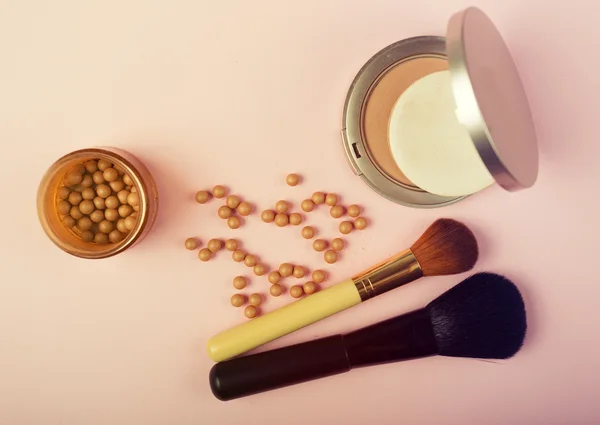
283,321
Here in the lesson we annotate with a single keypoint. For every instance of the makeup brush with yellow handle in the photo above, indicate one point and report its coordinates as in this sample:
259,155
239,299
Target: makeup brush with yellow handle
447,247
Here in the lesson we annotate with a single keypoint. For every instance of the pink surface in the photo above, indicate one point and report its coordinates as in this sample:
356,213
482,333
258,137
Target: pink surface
242,93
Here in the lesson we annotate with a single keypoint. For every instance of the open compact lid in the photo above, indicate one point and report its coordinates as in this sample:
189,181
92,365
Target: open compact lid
490,99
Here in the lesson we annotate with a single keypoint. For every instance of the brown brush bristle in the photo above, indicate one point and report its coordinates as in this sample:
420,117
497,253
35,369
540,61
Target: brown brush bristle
446,247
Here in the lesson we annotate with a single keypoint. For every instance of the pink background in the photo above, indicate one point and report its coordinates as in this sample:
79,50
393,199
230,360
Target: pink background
242,93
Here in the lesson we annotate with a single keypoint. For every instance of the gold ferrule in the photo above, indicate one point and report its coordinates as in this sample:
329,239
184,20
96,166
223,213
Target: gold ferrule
390,274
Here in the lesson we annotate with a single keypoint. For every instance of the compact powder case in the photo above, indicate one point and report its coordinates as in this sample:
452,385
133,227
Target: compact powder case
488,102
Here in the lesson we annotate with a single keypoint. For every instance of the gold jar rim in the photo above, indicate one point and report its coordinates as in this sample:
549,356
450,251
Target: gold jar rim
68,241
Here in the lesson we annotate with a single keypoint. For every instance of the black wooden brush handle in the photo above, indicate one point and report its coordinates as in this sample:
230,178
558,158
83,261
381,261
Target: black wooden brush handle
278,368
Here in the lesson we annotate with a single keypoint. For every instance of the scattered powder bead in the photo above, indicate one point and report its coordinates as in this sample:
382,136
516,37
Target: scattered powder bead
103,164
276,290
84,223
214,245
75,213
112,202
286,269
319,245
88,194
103,191
309,288
296,291
98,177
127,180
231,245
239,282
190,243
274,277
346,227
130,222
238,300
250,312
360,223
319,276
267,216
299,272
87,181
234,222
75,198
91,166
125,210
255,300
73,178
233,201
250,260
133,199
331,199
204,254
115,236
292,179
281,220
97,216
308,232
318,198
219,191
295,219
337,244
69,222
101,238
331,256
99,203
117,186
224,212
121,226
202,196
110,175
337,211
307,205
87,236
281,207
238,255
244,209
106,226
260,269
63,207
63,192
122,196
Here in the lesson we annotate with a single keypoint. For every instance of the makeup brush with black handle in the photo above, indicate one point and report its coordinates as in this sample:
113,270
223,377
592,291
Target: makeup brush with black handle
447,247
481,317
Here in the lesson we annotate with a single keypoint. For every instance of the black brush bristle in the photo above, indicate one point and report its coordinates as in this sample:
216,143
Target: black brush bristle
481,317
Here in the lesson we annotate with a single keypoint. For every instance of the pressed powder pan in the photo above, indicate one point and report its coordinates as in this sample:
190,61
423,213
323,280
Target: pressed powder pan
489,102
367,111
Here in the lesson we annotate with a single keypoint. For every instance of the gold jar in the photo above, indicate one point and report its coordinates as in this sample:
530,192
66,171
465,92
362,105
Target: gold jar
70,239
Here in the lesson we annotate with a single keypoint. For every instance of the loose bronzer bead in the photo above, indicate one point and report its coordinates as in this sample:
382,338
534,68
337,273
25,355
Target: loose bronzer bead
292,179
190,243
239,282
267,216
237,300
244,209
360,223
296,291
231,245
331,199
299,272
318,198
331,256
295,219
